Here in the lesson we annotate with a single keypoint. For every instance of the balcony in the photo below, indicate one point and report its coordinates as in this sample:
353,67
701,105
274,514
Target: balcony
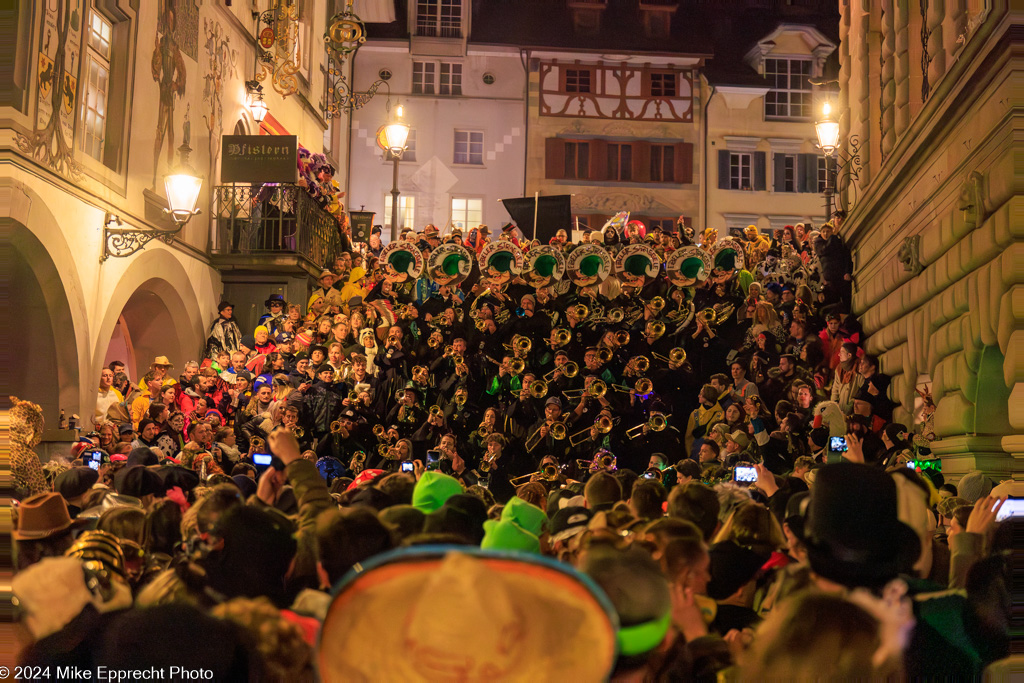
280,224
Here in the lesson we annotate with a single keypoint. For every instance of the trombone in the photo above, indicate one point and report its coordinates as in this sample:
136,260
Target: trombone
657,423
547,473
520,344
556,429
657,305
604,354
656,329
642,386
597,389
562,337
676,356
640,364
615,316
604,425
538,388
603,461
580,311
622,338
569,370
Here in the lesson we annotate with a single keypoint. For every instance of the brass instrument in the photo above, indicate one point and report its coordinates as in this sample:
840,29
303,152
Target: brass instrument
484,430
676,356
534,439
353,395
538,388
436,411
656,329
657,305
547,473
562,337
481,324
486,465
597,389
258,444
656,423
517,366
382,450
622,338
570,369
604,425
603,461
655,474
581,311
378,430
642,386
358,462
641,364
434,342
604,354
614,316
520,344
298,431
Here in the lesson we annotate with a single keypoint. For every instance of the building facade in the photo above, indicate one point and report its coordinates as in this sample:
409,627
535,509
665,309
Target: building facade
463,101
100,99
931,91
764,167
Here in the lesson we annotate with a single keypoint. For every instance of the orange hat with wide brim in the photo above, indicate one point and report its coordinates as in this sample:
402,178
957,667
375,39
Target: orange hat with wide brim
447,614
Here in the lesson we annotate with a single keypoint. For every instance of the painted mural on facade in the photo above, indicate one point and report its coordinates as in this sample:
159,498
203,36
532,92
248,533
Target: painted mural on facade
168,70
220,66
52,139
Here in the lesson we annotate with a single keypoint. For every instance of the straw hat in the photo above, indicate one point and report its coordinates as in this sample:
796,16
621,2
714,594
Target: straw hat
471,615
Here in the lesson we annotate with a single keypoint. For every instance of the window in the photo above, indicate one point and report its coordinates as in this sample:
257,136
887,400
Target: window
466,212
739,171
785,173
663,84
578,80
790,96
577,160
663,162
439,18
664,224
451,79
822,174
410,149
469,147
620,162
423,77
406,211
94,109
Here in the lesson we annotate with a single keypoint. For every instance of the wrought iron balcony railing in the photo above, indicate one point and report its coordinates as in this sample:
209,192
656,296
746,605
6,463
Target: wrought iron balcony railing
273,219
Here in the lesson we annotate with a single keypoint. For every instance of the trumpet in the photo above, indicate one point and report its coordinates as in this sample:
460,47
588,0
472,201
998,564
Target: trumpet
481,324
484,430
656,423
434,342
580,311
353,396
257,444
538,388
358,462
298,431
604,425
657,305
486,465
656,329
676,356
436,411
597,389
562,337
378,430
622,338
383,450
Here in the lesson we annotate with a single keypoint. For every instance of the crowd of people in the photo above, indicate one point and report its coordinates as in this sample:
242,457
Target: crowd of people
646,455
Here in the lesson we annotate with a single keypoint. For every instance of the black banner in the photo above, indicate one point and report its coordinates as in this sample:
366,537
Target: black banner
362,222
553,213
259,159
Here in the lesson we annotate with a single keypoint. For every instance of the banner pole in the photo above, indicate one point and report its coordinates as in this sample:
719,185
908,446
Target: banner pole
536,205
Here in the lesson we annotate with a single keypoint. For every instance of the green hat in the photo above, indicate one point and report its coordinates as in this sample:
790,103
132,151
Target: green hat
637,264
501,261
526,515
745,278
691,267
505,535
590,265
400,260
450,265
725,259
433,489
544,265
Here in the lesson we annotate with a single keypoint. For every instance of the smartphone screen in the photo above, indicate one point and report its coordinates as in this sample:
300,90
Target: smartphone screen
838,444
262,459
433,458
1012,507
95,464
745,474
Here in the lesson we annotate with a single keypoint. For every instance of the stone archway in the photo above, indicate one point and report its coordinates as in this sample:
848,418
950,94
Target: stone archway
41,333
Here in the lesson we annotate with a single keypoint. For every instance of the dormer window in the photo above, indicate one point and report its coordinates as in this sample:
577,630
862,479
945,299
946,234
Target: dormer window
586,15
439,18
791,94
657,17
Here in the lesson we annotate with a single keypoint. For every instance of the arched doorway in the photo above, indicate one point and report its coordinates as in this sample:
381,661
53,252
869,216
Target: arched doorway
40,334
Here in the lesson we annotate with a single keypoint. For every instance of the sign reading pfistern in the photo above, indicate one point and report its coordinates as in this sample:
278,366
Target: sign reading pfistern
259,159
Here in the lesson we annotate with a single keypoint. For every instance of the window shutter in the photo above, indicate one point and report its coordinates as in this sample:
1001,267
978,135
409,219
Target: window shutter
683,167
723,169
779,172
760,169
641,162
554,158
811,173
801,173
598,160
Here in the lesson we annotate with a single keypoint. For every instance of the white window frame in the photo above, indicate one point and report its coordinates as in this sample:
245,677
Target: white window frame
822,174
466,217
406,208
741,167
787,111
468,143
435,22
789,179
449,79
95,105
427,73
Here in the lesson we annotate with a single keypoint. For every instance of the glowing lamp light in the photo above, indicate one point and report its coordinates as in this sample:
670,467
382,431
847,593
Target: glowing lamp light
182,187
827,130
395,134
257,107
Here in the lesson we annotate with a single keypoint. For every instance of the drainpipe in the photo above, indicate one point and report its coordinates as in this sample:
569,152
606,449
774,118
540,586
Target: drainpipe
704,171
526,115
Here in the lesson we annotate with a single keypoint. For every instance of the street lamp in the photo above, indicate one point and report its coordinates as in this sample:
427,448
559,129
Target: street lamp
827,130
392,137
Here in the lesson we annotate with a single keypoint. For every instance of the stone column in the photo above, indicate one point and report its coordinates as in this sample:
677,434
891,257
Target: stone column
902,71
936,46
887,84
